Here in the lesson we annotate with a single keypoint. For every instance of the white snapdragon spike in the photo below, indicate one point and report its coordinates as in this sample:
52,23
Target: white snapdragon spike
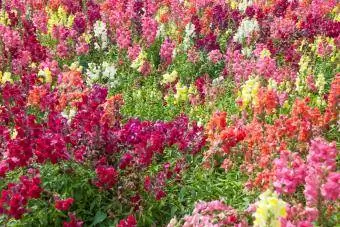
189,34
244,4
161,31
189,30
246,28
105,70
246,51
93,72
100,32
69,114
217,80
109,71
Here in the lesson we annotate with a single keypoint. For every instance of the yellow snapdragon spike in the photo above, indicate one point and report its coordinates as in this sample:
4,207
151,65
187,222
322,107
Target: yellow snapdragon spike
303,63
169,78
232,3
172,30
6,77
4,20
161,11
181,94
249,92
187,4
265,53
139,61
14,134
320,83
59,17
336,12
45,75
76,67
87,38
269,210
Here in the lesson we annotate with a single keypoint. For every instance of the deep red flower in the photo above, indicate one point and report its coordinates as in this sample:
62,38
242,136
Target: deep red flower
130,221
64,204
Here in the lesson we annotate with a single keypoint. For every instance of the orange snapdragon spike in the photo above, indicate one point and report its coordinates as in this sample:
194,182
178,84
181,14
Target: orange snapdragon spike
111,110
332,111
72,79
36,94
216,124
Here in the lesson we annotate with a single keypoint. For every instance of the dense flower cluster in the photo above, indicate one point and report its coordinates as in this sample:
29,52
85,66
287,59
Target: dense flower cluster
15,197
214,213
104,92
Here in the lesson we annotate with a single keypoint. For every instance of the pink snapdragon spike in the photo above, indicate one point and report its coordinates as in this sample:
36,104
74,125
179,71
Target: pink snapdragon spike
290,172
123,38
166,51
331,189
149,26
321,161
215,56
133,51
215,214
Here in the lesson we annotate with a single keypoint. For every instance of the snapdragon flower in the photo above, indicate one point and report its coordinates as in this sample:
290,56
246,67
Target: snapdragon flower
105,71
246,28
269,210
100,32
169,77
6,77
59,17
249,91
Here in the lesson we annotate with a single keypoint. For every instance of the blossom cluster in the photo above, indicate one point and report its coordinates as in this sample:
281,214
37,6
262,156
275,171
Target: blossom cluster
73,75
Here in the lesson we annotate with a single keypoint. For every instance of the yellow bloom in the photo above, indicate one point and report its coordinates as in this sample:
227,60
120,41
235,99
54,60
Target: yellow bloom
269,210
169,78
162,10
181,93
14,134
59,17
4,18
6,77
76,67
46,74
139,61
249,92
265,53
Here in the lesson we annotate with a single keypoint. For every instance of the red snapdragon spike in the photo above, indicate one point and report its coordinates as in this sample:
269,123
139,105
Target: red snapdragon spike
14,199
130,221
106,177
73,222
63,205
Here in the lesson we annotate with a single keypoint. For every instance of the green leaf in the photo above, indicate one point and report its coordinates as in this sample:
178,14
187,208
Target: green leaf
98,218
